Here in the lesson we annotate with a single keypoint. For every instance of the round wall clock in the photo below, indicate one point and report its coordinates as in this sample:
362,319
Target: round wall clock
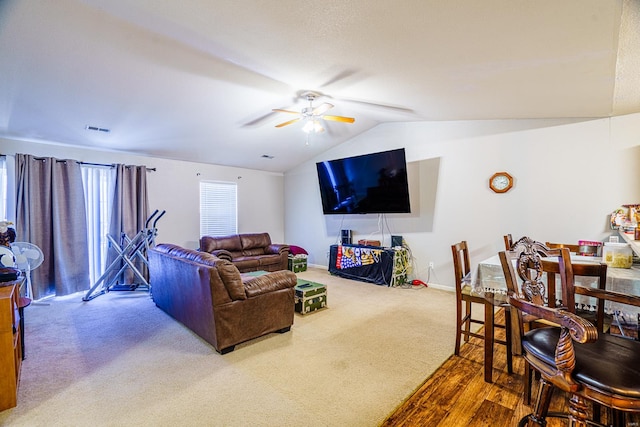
501,182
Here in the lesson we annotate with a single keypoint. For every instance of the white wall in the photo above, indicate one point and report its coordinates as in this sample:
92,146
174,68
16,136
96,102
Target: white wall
569,176
174,187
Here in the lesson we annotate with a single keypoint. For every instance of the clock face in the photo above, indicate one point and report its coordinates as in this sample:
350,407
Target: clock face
501,182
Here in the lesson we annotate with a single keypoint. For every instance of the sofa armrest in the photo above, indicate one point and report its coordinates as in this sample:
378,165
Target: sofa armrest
270,282
222,254
232,280
276,249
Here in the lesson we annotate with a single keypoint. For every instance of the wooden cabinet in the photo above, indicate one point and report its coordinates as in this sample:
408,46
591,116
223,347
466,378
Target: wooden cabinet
10,345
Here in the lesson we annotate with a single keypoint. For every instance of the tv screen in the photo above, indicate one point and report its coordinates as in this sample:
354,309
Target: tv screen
371,183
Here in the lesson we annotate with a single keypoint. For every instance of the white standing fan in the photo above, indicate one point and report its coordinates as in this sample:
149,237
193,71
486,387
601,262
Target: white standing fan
28,257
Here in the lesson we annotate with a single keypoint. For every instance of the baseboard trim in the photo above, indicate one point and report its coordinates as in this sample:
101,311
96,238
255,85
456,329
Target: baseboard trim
441,287
431,285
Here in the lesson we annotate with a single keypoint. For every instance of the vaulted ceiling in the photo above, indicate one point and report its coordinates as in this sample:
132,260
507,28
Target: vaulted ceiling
197,80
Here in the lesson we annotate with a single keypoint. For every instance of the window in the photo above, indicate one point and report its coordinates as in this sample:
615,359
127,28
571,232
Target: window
218,208
98,183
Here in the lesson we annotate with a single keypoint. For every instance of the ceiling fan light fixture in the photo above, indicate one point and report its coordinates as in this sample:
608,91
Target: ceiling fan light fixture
312,117
312,125
308,126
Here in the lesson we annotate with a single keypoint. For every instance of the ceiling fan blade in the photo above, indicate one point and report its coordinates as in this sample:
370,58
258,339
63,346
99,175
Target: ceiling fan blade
320,109
288,123
280,110
339,119
377,105
259,120
342,75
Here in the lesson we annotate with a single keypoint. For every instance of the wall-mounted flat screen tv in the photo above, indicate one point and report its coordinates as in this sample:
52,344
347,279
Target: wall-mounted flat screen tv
371,183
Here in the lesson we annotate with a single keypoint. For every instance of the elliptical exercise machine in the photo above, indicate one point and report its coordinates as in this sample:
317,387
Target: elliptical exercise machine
129,251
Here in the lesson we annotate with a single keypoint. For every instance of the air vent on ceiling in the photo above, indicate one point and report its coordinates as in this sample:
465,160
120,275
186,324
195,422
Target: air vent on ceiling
97,129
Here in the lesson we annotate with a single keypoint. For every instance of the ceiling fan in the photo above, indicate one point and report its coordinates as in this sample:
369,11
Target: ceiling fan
313,116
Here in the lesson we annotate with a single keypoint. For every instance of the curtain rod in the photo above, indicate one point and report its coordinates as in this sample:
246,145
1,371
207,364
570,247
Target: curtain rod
112,165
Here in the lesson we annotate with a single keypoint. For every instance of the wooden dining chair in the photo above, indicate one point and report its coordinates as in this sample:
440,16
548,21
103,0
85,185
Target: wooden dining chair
574,357
551,269
572,248
464,318
529,321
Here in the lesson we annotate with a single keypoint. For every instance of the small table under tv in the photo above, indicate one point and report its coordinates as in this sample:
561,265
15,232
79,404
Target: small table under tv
373,264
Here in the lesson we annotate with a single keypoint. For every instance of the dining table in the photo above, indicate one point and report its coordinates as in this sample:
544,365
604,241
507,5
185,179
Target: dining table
488,279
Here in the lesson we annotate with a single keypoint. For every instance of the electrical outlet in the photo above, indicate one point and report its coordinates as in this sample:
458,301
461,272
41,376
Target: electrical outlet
431,264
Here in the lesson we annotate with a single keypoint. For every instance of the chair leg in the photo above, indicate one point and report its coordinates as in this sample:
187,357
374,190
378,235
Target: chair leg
467,325
597,413
456,349
507,328
618,418
578,411
527,383
488,342
539,415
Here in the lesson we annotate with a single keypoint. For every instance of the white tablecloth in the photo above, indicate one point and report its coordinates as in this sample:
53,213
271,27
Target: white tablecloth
489,277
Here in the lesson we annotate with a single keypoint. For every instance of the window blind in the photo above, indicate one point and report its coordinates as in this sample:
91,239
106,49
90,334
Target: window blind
218,208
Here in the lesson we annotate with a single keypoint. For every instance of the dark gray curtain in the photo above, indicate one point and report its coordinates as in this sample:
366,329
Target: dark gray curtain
129,214
50,213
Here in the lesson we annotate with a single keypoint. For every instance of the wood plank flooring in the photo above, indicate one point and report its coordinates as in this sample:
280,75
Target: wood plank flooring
456,394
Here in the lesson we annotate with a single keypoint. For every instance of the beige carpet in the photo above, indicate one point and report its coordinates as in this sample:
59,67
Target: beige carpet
119,360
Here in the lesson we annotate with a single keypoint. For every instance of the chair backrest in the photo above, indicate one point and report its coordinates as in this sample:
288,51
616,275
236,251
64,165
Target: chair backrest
508,242
461,265
532,269
526,279
572,248
598,271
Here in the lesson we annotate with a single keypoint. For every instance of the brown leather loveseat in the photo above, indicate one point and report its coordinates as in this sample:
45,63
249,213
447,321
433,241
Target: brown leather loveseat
209,296
248,252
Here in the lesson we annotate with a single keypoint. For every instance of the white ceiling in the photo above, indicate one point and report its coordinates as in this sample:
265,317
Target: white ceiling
197,79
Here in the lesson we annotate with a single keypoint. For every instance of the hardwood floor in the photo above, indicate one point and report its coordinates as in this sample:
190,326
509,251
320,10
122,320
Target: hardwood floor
456,394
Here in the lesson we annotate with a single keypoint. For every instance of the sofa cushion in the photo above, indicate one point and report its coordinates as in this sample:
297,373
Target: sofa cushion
254,241
230,243
253,252
266,260
246,263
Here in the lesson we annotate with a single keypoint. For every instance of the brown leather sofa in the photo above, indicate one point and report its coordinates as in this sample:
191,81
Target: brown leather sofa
209,296
248,252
